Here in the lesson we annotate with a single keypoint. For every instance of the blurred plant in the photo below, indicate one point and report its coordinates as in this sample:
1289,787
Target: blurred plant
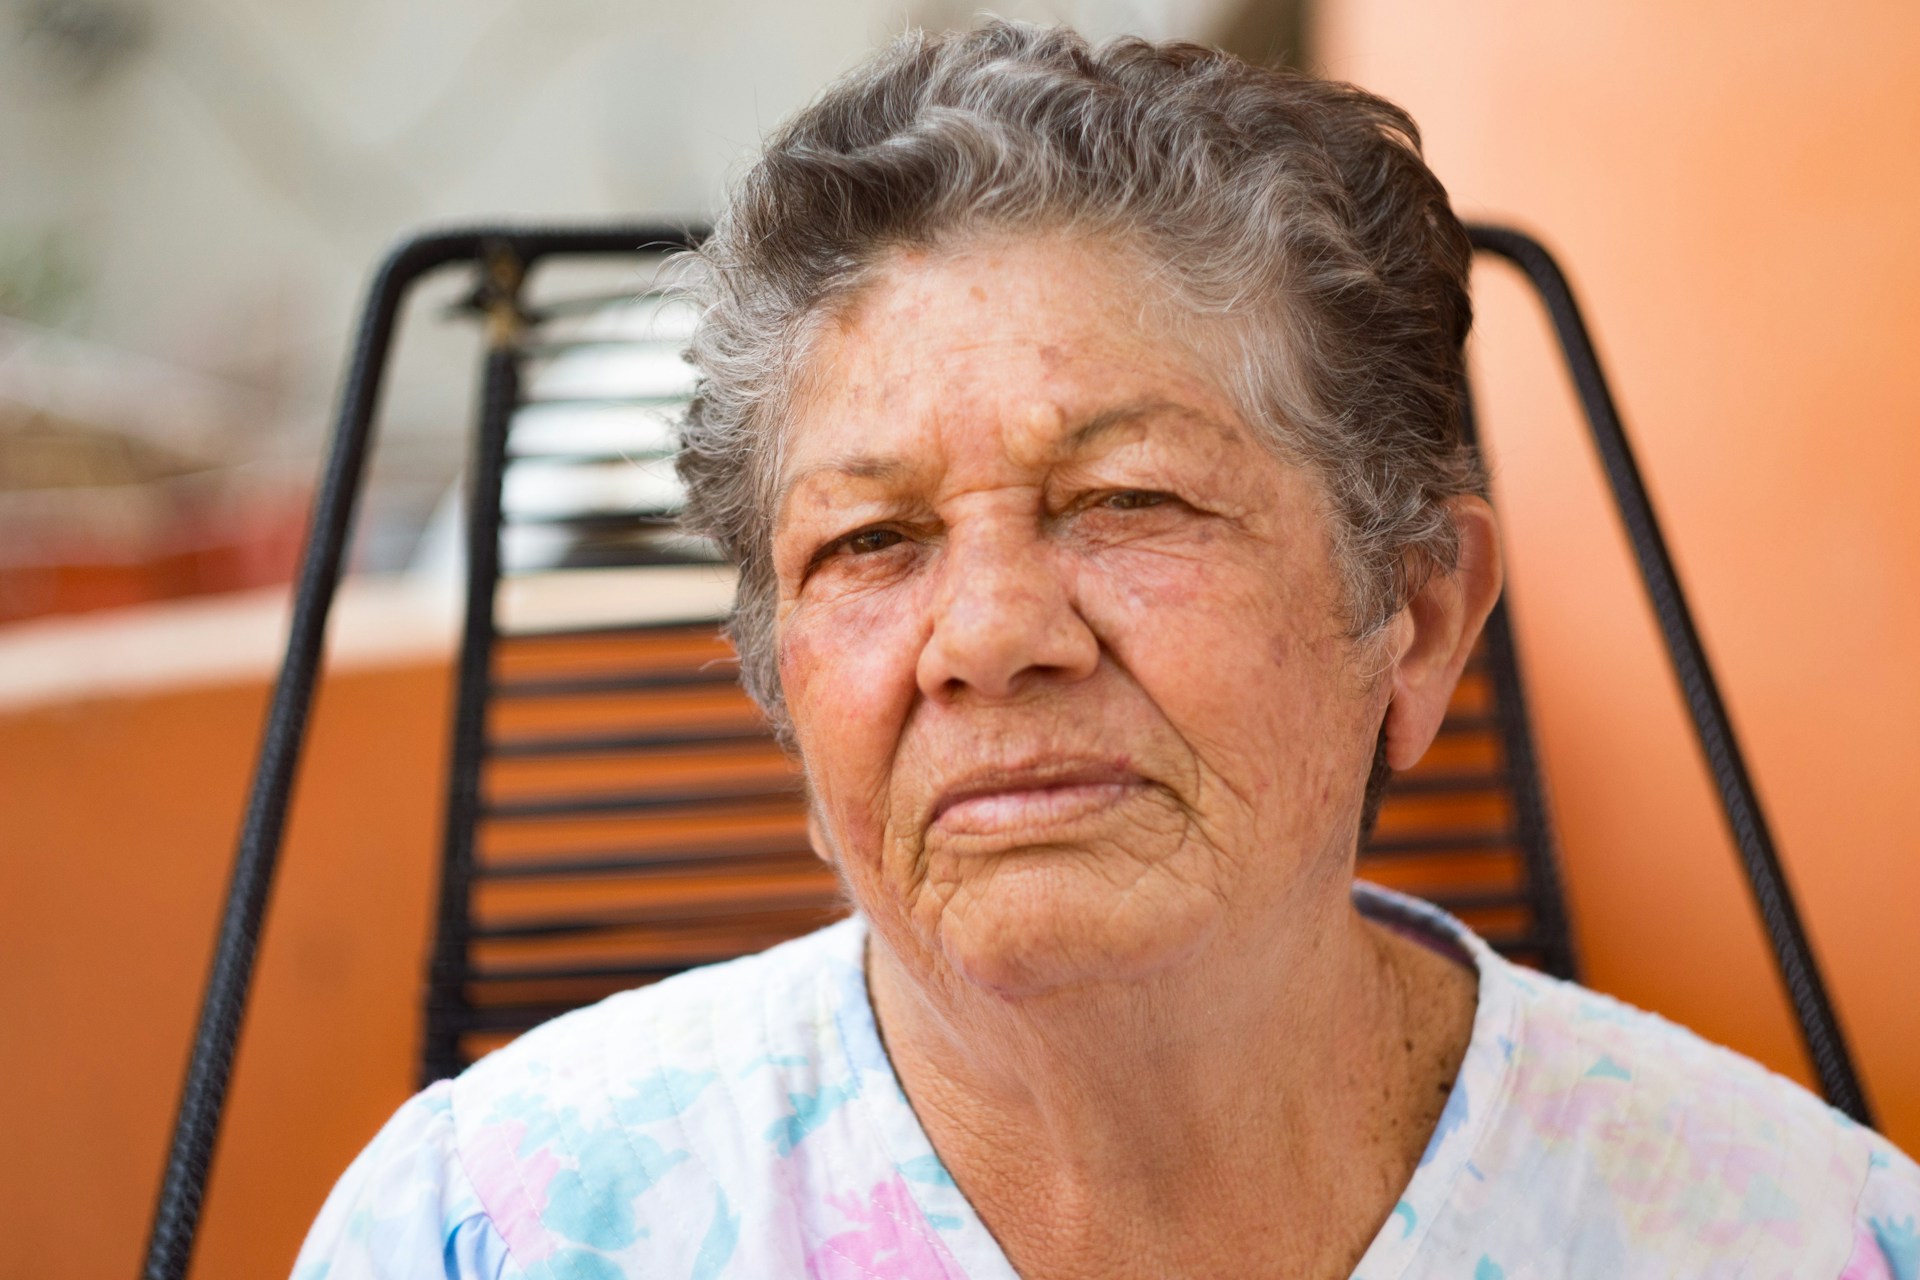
79,43
40,278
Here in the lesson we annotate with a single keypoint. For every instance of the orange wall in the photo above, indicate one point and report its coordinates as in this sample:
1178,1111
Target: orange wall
1733,194
119,822
1733,189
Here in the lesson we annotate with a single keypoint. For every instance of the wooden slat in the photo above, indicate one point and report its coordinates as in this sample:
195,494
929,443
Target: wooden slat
642,821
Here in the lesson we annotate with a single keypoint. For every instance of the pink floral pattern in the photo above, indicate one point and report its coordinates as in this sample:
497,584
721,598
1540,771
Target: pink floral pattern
744,1121
893,1240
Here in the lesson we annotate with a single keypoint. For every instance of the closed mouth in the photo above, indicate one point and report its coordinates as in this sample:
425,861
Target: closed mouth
1040,794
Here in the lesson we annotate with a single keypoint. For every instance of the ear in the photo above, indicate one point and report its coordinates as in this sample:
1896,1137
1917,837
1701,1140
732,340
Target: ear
1436,631
817,834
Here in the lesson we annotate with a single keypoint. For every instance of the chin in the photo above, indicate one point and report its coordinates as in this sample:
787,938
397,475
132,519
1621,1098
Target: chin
1038,929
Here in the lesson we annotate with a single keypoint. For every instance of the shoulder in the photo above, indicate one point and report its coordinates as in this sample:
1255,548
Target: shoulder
654,1049
1688,1150
646,1129
1605,1138
545,1147
1886,1227
405,1206
1576,1042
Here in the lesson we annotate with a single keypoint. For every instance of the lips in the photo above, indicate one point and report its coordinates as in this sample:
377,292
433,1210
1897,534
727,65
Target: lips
1010,799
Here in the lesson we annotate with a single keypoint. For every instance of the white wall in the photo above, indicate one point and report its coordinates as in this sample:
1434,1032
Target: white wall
221,186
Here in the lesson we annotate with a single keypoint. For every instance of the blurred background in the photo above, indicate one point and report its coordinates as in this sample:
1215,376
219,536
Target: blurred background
192,196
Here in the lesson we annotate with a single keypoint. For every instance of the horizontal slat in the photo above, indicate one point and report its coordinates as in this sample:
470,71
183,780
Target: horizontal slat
677,801
741,913
667,401
697,628
1510,943
713,671
1489,900
722,843
673,551
1450,782
463,1020
531,973
731,861
626,557
586,457
545,746
594,521
1440,842
548,348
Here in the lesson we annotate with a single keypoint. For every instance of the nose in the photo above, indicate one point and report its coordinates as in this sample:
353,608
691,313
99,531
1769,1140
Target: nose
1004,618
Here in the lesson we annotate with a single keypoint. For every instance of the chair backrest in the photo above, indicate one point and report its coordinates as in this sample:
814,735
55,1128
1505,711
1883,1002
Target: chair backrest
618,811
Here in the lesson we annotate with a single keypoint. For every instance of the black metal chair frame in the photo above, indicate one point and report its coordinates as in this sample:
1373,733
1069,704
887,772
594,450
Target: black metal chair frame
503,255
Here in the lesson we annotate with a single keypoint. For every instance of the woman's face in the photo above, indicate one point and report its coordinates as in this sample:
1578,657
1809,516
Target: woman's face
1062,641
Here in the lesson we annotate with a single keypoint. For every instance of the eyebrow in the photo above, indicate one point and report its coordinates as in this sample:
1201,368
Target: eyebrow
1095,429
858,466
1108,421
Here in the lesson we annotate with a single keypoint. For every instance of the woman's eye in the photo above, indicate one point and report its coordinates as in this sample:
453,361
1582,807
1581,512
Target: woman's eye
868,541
1132,500
855,545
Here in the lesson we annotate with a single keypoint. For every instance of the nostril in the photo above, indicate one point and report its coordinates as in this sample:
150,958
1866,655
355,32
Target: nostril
997,649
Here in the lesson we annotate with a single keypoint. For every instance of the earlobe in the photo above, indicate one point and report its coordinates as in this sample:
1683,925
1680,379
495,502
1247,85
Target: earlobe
817,834
1445,618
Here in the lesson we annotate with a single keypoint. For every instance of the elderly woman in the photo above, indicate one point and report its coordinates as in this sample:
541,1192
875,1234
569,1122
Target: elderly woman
1084,425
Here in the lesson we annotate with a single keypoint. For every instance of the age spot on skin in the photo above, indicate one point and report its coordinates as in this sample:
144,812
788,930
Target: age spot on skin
1282,650
793,655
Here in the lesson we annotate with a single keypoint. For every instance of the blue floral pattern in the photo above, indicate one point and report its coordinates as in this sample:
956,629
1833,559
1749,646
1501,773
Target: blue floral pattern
744,1121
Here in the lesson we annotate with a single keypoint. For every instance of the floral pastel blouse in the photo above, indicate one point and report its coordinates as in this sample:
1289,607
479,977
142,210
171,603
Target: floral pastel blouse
743,1121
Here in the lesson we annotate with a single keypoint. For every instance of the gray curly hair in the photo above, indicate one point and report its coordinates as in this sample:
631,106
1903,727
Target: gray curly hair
1297,210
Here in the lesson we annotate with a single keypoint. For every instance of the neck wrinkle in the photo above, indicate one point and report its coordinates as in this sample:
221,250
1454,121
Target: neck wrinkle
1143,1109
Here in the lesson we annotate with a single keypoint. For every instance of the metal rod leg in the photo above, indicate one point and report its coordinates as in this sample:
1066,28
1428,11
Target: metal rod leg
1819,1025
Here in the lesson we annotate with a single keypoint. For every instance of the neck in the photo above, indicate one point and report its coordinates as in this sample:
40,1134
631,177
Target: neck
1262,1101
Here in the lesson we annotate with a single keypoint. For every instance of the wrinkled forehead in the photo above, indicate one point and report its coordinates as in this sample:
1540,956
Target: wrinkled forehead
1037,349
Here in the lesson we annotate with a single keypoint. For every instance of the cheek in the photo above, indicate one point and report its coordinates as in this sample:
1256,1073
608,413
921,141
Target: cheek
1243,657
847,673
1201,609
